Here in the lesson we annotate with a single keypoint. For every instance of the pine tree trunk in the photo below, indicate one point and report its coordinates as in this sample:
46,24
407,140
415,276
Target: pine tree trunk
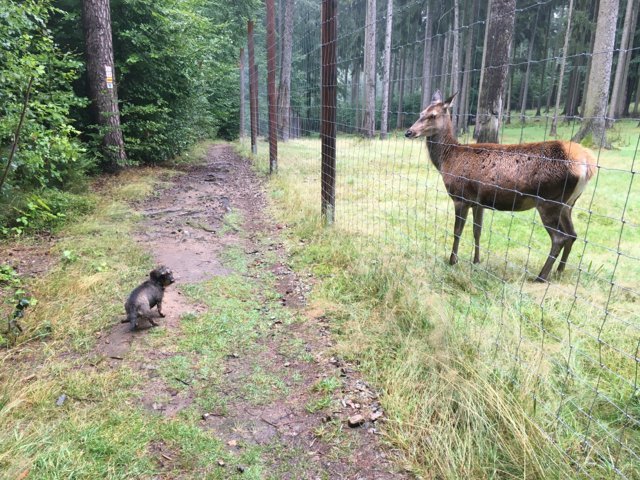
476,128
495,71
370,69
242,93
525,88
384,120
446,61
600,76
592,39
400,115
627,92
414,63
466,78
284,90
96,21
455,63
426,60
567,36
617,93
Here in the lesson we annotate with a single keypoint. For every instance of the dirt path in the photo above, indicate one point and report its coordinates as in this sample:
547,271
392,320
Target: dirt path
243,350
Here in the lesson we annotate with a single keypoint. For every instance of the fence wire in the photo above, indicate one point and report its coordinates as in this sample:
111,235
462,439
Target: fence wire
567,348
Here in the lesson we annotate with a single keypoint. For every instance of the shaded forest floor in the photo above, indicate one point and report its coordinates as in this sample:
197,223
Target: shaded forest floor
239,380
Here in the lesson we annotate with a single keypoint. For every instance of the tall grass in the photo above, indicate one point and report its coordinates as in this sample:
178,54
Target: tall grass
485,374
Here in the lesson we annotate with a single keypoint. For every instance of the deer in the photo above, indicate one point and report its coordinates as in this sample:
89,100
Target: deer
549,176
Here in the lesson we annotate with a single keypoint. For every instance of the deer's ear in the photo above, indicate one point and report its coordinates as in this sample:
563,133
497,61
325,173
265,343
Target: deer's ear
449,101
437,97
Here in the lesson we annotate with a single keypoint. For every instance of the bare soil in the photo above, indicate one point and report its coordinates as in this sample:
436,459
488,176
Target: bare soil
187,227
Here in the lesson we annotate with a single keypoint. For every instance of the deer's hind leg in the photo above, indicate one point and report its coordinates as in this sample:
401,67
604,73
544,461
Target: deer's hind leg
550,214
478,214
462,210
566,225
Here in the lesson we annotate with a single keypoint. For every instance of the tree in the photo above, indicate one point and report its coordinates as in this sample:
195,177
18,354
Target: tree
495,68
370,69
386,73
597,94
455,62
466,77
426,59
563,61
525,83
284,90
96,22
242,93
620,80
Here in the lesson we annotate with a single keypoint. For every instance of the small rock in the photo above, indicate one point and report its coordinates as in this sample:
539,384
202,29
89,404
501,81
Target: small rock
205,416
61,399
232,443
376,415
221,463
240,469
287,364
355,421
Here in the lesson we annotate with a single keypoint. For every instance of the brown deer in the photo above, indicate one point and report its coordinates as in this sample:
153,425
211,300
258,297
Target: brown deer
549,176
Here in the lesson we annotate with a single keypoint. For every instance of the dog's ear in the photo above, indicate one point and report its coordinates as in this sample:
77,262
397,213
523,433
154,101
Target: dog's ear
155,274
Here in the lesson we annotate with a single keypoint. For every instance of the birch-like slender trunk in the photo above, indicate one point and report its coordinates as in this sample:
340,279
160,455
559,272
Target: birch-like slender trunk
455,62
617,93
426,60
563,61
384,120
369,123
242,93
284,90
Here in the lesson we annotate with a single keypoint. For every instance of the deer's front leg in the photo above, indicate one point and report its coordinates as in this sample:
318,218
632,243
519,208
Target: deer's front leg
462,210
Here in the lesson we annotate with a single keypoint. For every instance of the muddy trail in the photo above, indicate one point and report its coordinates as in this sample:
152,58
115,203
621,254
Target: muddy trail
271,390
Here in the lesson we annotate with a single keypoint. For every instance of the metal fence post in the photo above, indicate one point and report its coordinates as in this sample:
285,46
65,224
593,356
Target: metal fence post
271,86
253,89
328,100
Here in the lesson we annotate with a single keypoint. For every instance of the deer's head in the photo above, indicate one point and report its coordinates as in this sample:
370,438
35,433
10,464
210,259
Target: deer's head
433,119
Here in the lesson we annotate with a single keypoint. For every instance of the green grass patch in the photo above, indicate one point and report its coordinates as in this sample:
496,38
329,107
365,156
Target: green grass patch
479,366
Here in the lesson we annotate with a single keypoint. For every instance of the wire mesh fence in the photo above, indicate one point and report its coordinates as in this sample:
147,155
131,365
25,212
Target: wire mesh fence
567,349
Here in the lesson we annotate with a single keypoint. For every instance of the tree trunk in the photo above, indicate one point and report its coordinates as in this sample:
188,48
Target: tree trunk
370,69
253,89
455,63
617,93
466,78
600,76
476,128
426,59
446,60
96,21
563,61
386,73
592,39
400,116
525,88
631,53
414,63
242,93
284,90
496,69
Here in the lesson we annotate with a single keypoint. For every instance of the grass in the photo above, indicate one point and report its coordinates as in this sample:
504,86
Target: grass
485,374
102,430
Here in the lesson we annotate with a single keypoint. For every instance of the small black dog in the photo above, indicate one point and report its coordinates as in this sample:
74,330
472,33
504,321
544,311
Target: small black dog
148,295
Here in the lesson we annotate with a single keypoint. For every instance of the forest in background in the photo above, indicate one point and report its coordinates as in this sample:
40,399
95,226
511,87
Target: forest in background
176,74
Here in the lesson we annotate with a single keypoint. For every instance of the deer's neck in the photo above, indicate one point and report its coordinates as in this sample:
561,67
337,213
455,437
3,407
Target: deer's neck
440,146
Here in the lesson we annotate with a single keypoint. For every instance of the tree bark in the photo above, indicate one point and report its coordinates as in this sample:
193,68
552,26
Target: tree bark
426,59
455,63
476,128
563,61
495,69
627,92
253,89
284,90
525,88
242,93
617,93
400,113
370,69
96,22
600,76
386,73
466,77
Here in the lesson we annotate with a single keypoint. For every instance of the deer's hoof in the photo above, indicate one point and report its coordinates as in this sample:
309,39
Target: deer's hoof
454,259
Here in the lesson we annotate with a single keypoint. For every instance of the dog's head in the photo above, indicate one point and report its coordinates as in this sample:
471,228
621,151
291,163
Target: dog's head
162,275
